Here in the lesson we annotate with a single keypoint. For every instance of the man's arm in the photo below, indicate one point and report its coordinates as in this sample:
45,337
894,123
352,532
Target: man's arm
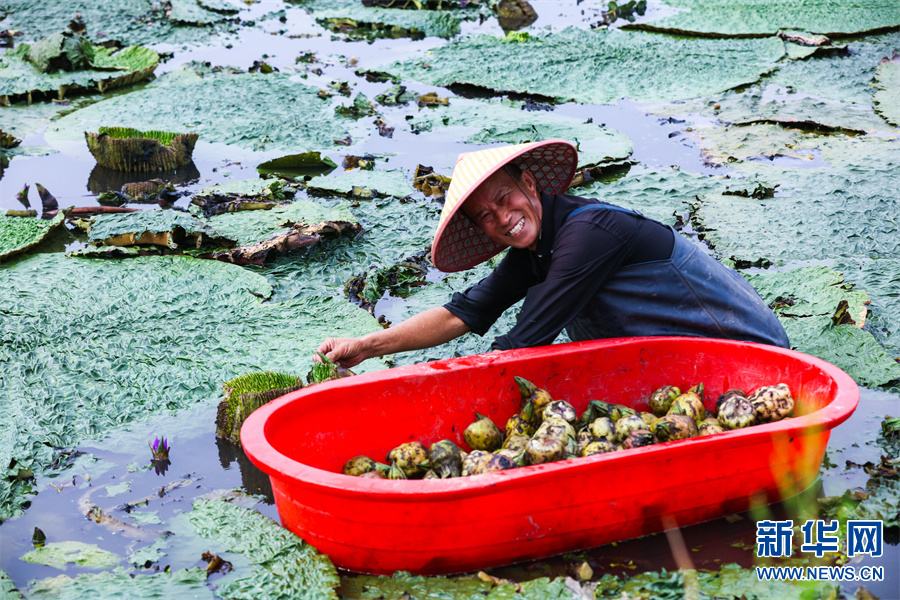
432,327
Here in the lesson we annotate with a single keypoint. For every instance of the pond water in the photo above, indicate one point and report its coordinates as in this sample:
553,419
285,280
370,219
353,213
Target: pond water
114,474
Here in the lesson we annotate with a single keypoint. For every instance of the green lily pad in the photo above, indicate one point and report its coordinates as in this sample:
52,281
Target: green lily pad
844,77
294,165
152,553
723,145
75,374
278,554
587,66
143,517
661,194
116,490
19,234
249,227
845,210
385,22
107,69
506,122
126,229
185,583
881,280
249,110
128,21
364,184
60,554
810,291
754,17
887,81
8,590
758,104
816,293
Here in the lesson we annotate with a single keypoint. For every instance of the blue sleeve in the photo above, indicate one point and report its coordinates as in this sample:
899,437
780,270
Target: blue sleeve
481,305
585,256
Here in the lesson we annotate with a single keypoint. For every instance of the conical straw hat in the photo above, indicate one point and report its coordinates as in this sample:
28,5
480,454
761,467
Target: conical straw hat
459,244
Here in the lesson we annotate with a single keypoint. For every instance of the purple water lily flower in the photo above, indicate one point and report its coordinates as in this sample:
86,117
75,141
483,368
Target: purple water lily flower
160,449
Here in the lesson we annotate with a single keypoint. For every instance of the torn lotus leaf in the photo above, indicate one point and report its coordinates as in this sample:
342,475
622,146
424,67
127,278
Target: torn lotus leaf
887,83
19,234
247,194
65,62
170,229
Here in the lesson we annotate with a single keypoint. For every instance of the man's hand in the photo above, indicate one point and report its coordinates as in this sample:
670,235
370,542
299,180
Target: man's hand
346,352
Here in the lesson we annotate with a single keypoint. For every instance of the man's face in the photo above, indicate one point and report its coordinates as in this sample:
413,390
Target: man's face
509,214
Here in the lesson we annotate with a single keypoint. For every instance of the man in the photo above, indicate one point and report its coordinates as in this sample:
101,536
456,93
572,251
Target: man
594,269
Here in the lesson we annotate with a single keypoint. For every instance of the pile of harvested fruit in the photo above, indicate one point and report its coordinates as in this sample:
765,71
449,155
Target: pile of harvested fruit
546,430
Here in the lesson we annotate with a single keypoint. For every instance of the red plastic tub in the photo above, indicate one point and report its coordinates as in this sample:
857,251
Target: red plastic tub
443,526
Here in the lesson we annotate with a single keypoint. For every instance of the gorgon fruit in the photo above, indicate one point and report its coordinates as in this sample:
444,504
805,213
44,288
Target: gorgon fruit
626,425
735,413
546,448
603,429
598,447
709,426
689,404
728,394
361,465
409,457
661,400
483,434
530,392
445,459
771,403
638,438
675,427
560,409
479,462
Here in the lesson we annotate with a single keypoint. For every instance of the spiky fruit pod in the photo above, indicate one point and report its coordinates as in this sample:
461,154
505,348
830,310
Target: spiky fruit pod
22,196
772,403
661,400
516,443
560,409
674,427
598,447
48,200
626,425
603,429
583,439
735,413
638,438
709,427
431,474
483,434
546,448
595,410
376,474
648,418
515,453
688,404
552,422
728,394
409,457
445,459
479,462
361,465
530,392
517,425
617,411
396,472
697,389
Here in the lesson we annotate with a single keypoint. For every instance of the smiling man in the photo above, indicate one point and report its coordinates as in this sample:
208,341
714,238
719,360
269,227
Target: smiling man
591,268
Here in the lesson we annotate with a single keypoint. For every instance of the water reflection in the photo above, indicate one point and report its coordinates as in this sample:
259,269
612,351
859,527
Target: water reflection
103,179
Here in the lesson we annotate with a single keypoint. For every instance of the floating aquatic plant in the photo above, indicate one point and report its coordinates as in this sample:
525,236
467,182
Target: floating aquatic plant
127,149
245,394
